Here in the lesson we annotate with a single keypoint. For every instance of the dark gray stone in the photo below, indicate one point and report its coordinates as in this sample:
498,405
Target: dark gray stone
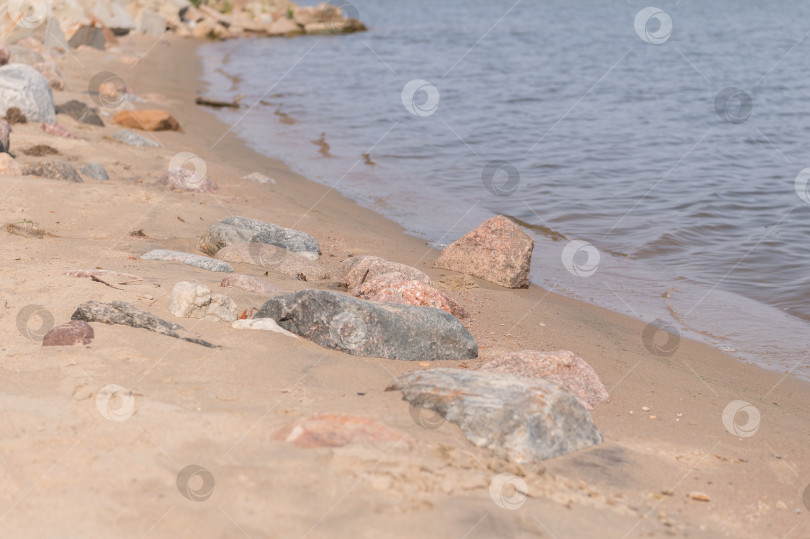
80,112
126,136
53,169
202,262
95,171
366,328
235,230
518,418
88,35
126,314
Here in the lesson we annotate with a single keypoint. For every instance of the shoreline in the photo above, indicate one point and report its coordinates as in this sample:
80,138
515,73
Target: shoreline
234,394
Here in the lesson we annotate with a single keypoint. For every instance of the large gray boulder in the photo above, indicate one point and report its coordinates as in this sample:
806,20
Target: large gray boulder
366,328
519,419
236,230
24,87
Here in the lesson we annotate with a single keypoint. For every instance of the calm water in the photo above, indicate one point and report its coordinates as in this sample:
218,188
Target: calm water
592,134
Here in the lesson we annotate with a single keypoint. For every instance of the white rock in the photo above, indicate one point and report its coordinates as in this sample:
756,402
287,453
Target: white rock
113,15
150,23
258,177
267,324
195,300
24,87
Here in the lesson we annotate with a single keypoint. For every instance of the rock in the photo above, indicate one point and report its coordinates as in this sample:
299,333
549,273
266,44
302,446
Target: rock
4,54
251,284
73,332
23,55
58,130
338,430
53,169
80,112
5,132
95,171
8,166
113,16
699,496
359,269
23,87
520,419
561,367
284,27
267,324
203,262
195,300
15,116
40,150
52,75
210,29
126,314
150,23
147,120
118,277
364,328
235,230
273,258
307,15
259,178
134,139
47,32
88,35
498,251
183,179
395,288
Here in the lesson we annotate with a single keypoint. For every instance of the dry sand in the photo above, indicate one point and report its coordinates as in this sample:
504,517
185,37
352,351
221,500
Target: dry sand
70,472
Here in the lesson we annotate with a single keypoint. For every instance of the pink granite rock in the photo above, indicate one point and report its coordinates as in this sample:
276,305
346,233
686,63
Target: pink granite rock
73,332
337,430
58,130
561,367
251,284
396,288
498,251
356,270
183,179
8,166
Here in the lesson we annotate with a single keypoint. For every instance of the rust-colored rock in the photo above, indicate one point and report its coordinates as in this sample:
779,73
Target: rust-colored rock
147,120
73,332
337,430
356,270
396,288
498,251
563,368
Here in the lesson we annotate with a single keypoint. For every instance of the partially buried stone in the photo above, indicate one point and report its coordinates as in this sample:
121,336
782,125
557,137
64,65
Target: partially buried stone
134,139
236,229
519,419
126,314
356,270
395,288
53,169
251,284
273,258
498,251
5,131
202,262
182,179
24,87
148,120
338,430
80,112
95,171
15,116
73,332
562,367
364,328
8,166
258,177
195,300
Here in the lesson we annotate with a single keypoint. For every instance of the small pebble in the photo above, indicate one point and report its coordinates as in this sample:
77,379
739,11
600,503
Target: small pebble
645,408
699,496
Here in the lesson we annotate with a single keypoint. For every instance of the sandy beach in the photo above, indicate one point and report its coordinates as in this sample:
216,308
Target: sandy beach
69,471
